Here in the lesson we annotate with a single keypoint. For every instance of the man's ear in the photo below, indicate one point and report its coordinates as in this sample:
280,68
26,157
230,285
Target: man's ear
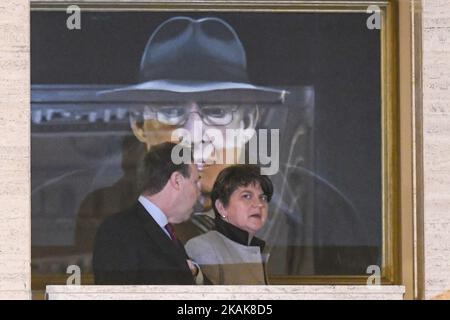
220,207
175,180
138,128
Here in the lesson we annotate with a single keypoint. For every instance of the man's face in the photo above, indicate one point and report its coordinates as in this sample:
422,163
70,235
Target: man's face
161,121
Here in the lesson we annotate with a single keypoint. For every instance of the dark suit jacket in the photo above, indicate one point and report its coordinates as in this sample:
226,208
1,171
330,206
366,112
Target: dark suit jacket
131,249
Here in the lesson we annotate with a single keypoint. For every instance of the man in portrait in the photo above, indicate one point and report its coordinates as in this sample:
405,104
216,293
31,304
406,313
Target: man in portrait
193,77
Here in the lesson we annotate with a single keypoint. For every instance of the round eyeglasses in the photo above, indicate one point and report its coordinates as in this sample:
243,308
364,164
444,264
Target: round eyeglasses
177,115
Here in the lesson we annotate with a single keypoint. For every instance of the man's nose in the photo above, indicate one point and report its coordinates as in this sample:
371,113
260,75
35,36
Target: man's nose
194,123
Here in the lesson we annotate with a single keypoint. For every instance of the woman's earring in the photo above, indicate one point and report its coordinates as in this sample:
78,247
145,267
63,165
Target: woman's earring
224,217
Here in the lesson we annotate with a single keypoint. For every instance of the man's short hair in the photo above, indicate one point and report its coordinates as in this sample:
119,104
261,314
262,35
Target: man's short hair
235,176
157,167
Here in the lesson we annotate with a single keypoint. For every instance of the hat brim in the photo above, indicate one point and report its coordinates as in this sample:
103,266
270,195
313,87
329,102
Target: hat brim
170,90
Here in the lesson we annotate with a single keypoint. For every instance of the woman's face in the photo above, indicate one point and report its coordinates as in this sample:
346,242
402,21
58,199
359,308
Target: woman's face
247,208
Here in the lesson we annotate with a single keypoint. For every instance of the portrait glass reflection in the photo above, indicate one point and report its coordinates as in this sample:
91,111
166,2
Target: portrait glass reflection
306,86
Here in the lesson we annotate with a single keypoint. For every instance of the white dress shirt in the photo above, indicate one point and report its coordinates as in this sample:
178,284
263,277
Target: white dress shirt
155,212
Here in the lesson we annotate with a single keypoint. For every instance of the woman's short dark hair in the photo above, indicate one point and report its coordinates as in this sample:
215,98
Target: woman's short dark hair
233,177
157,167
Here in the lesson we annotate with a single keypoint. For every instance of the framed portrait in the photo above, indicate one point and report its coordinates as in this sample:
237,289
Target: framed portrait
322,103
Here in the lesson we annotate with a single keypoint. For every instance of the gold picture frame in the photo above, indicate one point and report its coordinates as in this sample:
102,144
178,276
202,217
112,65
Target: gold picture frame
400,207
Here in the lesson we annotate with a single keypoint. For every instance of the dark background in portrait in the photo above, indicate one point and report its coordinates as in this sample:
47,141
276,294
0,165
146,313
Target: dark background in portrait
334,53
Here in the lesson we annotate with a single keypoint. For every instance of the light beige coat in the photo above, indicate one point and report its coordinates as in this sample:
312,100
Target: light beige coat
225,261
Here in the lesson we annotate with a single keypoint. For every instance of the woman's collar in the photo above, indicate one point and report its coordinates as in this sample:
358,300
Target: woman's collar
237,235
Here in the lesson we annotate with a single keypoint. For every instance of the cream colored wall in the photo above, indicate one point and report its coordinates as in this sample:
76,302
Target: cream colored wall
436,126
15,147
14,150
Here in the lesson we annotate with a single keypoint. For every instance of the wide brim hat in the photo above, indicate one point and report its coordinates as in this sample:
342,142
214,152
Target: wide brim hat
194,60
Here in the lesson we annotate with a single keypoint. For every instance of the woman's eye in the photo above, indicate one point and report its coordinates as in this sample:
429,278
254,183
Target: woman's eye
247,196
264,198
